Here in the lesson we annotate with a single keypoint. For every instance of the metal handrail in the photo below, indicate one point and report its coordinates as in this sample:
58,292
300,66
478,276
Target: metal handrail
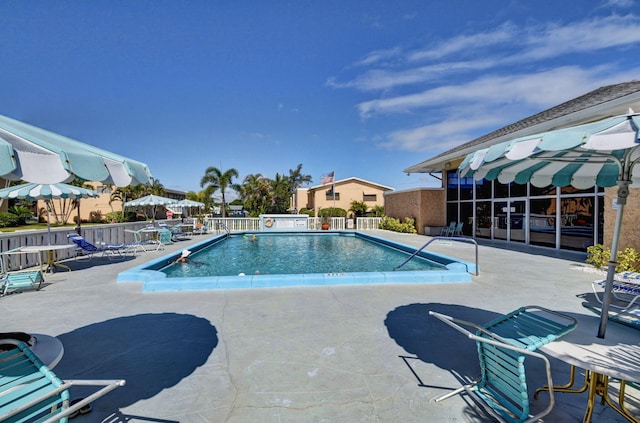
448,238
225,227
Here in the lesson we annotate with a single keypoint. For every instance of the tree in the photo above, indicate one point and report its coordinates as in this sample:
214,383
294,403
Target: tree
215,179
359,208
255,194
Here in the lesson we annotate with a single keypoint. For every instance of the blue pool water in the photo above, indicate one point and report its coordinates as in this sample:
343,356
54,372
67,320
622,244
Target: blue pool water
295,259
272,254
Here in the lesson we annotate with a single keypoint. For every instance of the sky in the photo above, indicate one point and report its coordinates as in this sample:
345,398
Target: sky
362,88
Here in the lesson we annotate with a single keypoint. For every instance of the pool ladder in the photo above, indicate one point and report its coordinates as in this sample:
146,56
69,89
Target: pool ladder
225,227
448,238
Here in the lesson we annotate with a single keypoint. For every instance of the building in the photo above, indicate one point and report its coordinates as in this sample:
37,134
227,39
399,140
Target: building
587,216
340,194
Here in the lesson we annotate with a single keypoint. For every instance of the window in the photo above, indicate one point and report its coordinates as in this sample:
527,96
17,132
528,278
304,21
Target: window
369,197
331,197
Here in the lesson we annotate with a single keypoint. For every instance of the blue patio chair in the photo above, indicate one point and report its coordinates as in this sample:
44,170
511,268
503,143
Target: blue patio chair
86,250
448,230
625,288
502,346
457,230
30,391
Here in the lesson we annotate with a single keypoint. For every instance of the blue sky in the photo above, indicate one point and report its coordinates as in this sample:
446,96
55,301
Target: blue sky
365,88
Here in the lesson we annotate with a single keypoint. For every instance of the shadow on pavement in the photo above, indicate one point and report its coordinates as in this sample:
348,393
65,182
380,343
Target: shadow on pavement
152,352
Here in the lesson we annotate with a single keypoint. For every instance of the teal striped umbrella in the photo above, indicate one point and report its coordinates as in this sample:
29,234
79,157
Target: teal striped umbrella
48,192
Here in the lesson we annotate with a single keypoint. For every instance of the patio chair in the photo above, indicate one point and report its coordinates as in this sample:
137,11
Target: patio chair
458,230
86,250
30,391
626,289
19,281
448,230
502,346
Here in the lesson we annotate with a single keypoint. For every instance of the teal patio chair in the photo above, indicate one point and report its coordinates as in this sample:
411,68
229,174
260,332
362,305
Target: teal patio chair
502,346
31,392
23,280
448,230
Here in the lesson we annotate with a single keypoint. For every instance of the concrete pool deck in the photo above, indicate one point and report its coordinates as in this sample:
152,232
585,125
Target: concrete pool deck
298,354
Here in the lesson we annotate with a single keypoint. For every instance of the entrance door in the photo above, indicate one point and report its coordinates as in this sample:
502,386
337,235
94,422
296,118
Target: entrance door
509,220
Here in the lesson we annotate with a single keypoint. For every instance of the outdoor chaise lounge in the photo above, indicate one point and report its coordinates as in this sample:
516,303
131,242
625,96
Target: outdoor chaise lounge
30,391
88,250
22,280
502,346
626,289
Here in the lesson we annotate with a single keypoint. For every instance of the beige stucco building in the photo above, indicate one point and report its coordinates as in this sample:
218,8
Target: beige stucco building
340,194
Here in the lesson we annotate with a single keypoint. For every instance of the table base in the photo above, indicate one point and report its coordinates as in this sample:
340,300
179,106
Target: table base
596,384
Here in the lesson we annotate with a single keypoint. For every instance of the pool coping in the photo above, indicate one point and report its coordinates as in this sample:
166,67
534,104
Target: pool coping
154,280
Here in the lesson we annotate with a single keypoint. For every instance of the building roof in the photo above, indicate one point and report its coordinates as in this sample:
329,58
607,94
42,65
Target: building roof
352,179
611,100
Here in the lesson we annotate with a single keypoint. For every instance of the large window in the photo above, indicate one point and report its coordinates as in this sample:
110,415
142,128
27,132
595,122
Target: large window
565,218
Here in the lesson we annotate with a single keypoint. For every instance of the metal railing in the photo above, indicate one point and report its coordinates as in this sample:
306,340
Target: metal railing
438,238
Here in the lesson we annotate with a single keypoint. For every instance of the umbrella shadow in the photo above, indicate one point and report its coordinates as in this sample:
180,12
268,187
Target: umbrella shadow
94,262
431,341
152,352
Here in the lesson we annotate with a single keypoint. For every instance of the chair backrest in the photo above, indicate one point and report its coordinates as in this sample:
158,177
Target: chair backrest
82,243
503,384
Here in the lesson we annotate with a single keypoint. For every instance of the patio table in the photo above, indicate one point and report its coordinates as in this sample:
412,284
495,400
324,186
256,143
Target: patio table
616,356
47,254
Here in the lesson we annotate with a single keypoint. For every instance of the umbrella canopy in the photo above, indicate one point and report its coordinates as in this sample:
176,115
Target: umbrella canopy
47,192
189,203
602,153
34,155
151,200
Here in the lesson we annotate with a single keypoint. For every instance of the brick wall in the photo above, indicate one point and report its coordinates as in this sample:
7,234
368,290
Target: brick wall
425,205
630,232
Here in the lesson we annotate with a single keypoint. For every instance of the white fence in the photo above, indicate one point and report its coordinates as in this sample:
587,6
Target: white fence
241,224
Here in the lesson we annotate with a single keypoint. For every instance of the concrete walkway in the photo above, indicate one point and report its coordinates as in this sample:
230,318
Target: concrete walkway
313,354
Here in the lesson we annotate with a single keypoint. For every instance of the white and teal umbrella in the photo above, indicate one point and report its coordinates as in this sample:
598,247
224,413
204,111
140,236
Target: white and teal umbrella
151,200
32,154
602,153
48,192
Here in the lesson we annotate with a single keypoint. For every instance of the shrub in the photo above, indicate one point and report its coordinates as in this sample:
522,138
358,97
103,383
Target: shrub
332,212
393,224
628,259
8,220
96,217
22,214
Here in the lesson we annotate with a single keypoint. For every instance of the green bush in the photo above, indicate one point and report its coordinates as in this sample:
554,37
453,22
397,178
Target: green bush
393,224
332,212
8,220
22,213
628,259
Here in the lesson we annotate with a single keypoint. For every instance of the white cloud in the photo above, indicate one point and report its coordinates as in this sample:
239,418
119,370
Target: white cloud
539,89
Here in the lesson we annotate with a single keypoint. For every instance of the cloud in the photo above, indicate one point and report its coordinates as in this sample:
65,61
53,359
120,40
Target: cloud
439,136
508,45
539,89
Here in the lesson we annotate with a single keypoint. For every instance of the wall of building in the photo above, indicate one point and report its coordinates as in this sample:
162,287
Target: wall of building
425,205
630,232
349,191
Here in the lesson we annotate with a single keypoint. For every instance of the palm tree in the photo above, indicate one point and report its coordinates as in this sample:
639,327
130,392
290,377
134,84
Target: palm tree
254,193
215,179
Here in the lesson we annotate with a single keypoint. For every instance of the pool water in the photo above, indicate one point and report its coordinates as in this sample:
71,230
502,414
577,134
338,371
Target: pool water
272,254
292,259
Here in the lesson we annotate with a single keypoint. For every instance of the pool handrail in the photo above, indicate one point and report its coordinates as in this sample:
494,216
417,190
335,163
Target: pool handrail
447,238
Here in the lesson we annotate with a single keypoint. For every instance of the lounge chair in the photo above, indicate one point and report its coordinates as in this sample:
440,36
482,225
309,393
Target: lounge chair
86,250
448,230
19,281
626,289
30,391
502,347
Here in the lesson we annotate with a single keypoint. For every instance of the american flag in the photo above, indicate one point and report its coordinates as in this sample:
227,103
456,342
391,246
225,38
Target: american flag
328,178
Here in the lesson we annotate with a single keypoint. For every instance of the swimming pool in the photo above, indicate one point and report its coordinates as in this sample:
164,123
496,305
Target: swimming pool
295,259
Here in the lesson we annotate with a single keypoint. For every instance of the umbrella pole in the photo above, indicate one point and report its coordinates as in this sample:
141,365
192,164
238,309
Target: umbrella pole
623,193
48,206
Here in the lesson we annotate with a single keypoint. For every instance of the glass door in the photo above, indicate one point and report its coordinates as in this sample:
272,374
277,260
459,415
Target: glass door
509,220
